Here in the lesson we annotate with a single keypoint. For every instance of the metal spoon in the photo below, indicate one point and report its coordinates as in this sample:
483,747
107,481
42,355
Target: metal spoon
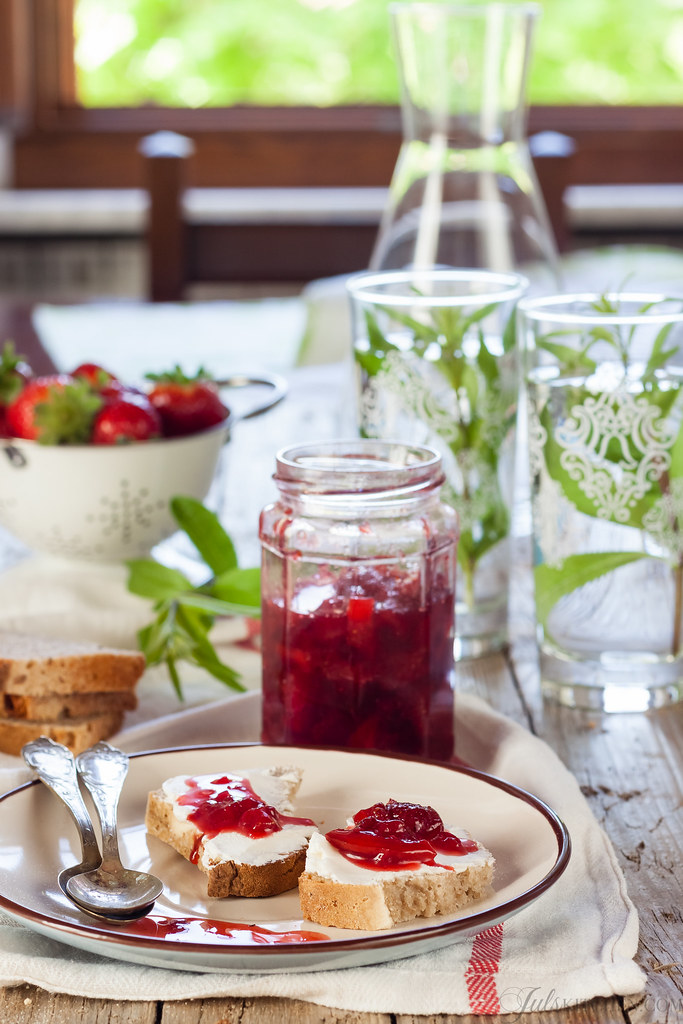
55,766
109,888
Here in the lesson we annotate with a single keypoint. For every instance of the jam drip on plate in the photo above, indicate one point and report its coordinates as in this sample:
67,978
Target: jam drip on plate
206,930
397,837
234,807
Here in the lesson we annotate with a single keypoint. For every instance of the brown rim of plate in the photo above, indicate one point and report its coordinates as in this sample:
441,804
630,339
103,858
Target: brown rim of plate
378,940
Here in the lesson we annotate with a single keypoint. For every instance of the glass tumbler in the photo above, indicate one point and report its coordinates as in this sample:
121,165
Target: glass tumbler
358,577
436,363
605,402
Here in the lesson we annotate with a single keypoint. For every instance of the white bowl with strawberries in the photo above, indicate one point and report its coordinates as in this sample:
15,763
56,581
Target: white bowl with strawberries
89,463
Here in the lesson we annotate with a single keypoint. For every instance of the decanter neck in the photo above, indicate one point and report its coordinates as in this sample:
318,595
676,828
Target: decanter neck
463,71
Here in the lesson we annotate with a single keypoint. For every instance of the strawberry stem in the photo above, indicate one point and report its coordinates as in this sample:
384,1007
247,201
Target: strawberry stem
66,417
178,376
11,382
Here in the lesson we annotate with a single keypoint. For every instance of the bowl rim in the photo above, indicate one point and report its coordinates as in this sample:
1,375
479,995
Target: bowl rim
225,424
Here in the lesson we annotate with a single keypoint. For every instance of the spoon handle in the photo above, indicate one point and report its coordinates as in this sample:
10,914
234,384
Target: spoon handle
54,765
103,769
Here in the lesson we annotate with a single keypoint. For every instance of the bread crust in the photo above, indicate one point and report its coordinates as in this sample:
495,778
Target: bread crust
74,693
64,709
224,878
77,734
41,666
402,896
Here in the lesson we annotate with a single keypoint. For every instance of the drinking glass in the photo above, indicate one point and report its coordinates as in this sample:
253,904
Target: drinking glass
436,364
604,376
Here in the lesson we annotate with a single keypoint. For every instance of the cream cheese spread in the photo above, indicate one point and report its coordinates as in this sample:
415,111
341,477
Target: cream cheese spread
322,859
274,787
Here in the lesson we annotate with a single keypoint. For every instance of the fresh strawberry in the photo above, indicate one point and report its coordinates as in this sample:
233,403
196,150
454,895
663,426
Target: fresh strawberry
54,410
14,373
127,418
94,374
186,404
114,390
106,384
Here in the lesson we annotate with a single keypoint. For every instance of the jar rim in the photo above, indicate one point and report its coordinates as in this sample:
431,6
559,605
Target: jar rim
360,466
559,308
373,286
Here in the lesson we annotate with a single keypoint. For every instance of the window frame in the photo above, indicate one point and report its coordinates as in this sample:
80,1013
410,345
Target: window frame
58,144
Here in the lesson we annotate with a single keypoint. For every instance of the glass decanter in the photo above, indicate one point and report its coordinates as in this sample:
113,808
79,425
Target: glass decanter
464,192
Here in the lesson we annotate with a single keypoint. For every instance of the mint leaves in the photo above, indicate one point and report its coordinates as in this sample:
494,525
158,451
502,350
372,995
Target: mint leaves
186,613
11,377
206,533
612,445
448,346
552,583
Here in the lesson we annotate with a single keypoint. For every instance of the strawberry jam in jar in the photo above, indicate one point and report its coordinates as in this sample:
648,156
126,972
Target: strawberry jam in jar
358,582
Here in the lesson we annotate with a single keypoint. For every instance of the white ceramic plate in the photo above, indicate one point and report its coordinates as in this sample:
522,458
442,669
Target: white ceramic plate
37,839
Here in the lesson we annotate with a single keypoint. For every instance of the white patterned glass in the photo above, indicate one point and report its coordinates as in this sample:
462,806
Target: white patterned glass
436,363
604,376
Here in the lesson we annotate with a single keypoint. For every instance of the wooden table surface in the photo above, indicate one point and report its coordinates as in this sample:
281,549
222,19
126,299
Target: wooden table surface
629,766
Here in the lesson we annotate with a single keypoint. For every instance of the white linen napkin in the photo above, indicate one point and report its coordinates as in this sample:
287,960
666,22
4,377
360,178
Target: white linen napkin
577,941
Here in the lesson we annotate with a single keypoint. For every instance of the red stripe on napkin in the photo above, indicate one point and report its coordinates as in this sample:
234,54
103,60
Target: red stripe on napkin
482,969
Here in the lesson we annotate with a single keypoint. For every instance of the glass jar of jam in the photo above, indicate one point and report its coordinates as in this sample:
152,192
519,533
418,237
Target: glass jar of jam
358,582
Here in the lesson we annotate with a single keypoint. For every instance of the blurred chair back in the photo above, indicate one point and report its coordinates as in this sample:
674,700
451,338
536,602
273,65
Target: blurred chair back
280,235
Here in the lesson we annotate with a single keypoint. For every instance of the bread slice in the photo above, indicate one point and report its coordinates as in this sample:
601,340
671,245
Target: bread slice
41,666
60,709
77,734
340,894
234,864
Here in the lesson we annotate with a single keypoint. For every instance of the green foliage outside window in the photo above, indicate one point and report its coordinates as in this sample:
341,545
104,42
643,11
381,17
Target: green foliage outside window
195,53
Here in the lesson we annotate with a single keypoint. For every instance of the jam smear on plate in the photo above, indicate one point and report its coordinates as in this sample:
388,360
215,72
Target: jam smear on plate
207,930
397,837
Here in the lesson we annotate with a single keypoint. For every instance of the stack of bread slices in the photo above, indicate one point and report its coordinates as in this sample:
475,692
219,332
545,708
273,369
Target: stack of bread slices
75,693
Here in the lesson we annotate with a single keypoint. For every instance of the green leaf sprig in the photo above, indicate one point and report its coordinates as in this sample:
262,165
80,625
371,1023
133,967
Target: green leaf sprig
551,583
11,380
185,613
483,411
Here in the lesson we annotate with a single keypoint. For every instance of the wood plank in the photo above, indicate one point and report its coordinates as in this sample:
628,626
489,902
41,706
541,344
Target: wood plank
15,75
97,148
265,1011
26,1004
276,252
493,680
608,1011
629,768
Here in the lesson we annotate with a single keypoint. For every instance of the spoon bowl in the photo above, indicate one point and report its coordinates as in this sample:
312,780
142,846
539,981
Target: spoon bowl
121,894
